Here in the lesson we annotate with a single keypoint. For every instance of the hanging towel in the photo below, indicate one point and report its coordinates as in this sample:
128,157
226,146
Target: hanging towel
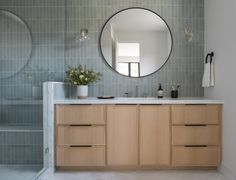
212,78
206,75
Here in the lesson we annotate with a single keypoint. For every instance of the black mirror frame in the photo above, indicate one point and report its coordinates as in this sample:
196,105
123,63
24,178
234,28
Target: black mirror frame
30,55
100,36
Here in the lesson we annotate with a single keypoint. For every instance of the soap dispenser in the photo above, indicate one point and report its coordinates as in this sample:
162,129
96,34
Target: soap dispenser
160,92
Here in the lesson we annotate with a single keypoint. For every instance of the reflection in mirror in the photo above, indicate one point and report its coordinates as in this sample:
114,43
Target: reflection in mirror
15,44
136,42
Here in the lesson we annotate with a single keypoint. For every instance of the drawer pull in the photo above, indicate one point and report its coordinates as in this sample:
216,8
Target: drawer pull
80,125
80,146
80,105
189,125
195,104
195,146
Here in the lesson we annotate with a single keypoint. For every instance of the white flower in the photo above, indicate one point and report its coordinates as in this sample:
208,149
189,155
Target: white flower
81,76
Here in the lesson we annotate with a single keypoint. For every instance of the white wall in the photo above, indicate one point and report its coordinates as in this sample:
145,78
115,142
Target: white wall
153,48
220,37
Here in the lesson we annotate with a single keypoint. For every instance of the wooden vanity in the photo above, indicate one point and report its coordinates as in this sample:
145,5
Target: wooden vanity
137,136
81,135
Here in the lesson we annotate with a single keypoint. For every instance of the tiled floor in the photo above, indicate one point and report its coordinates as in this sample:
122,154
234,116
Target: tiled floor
138,175
18,172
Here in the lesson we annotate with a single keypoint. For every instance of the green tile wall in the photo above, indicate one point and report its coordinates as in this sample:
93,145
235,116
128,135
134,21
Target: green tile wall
54,24
184,67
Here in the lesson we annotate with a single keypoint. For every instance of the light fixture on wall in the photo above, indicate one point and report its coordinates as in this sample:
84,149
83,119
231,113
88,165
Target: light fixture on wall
189,34
83,36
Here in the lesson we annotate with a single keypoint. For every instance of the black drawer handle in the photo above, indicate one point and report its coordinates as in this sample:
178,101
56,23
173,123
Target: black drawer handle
80,146
195,146
189,125
80,105
195,104
74,125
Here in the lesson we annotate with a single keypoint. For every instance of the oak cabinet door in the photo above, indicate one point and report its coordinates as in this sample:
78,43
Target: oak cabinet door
80,114
80,156
80,135
122,135
196,135
195,114
154,135
195,156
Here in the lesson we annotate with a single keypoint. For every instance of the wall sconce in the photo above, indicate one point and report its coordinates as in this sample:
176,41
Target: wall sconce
189,34
83,36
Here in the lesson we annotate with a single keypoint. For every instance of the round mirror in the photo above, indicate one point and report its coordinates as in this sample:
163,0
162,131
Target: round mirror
15,44
136,42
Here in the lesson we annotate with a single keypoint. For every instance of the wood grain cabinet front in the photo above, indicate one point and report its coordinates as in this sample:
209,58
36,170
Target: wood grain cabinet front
154,135
138,136
190,156
80,156
196,135
80,114
80,135
195,114
122,135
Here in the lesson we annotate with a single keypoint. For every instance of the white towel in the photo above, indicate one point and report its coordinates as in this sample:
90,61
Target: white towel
207,75
212,78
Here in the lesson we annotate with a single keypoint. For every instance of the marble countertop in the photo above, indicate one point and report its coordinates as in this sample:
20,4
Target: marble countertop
139,100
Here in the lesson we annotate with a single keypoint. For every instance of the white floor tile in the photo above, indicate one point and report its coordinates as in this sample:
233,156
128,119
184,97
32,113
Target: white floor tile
138,175
18,172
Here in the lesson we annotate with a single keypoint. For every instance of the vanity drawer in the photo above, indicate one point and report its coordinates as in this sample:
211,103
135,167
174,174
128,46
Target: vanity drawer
81,156
195,156
195,114
196,135
81,135
80,114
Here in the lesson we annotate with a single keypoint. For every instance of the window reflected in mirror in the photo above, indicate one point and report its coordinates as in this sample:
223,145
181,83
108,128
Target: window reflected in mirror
127,59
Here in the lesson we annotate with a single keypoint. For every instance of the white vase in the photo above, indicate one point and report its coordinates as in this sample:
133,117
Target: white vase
82,91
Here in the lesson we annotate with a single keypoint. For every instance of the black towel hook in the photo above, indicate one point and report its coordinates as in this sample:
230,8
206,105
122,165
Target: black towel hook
211,57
